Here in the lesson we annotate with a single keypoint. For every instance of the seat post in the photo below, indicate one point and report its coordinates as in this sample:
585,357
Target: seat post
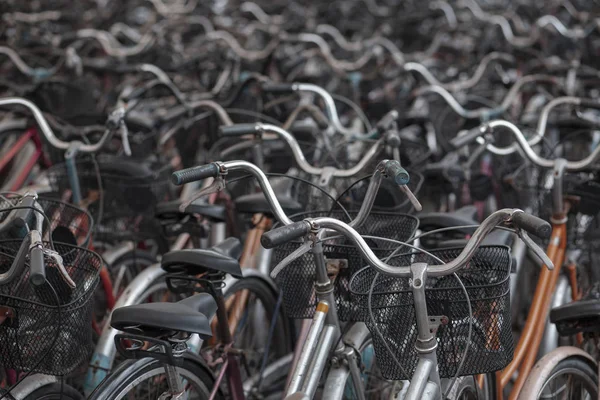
174,381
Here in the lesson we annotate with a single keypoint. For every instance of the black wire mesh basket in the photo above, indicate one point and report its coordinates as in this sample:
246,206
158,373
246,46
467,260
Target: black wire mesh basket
487,282
343,260
48,329
68,224
126,198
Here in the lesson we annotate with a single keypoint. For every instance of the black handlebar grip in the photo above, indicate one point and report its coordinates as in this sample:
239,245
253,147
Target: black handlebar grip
284,234
534,225
469,137
23,216
238,130
589,103
394,170
278,87
37,269
195,174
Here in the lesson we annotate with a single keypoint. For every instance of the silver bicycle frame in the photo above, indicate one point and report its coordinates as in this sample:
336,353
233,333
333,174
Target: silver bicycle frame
323,335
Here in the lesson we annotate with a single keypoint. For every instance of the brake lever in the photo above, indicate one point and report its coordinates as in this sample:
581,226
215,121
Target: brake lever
216,186
299,252
35,238
61,267
125,138
537,250
412,198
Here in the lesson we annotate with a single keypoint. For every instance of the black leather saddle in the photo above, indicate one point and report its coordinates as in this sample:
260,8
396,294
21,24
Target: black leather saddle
222,257
191,315
214,212
579,316
257,202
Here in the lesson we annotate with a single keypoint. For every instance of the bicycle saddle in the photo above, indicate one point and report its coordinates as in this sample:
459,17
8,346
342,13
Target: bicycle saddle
578,316
191,315
222,257
213,212
257,202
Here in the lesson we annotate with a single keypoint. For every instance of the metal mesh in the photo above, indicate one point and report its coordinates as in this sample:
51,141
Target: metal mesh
486,279
117,226
68,224
297,280
126,199
59,336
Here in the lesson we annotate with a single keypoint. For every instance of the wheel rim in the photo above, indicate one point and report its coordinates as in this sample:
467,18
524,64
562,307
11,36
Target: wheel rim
569,383
153,383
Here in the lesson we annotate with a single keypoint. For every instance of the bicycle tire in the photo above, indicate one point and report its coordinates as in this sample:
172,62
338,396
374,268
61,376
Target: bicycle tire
264,292
55,391
575,366
132,373
466,388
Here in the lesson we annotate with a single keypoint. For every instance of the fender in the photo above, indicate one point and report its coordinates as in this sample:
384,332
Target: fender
129,366
252,273
31,383
543,368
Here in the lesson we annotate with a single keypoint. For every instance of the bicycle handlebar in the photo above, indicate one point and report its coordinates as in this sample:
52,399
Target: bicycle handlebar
284,234
507,215
215,170
258,128
37,269
570,166
532,224
47,131
543,122
195,174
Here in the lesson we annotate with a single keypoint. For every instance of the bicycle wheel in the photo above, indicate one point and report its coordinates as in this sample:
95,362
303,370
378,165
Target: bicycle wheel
55,391
145,379
572,378
254,323
468,388
122,271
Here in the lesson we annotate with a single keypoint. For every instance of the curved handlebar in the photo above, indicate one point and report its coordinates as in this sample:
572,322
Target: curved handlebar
499,217
570,166
47,131
243,129
543,122
390,168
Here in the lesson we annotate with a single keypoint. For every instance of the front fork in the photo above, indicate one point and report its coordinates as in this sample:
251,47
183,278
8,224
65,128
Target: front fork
323,335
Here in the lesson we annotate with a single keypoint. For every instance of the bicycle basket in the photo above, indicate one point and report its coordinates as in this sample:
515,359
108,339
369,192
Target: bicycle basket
486,279
68,224
343,260
136,190
42,335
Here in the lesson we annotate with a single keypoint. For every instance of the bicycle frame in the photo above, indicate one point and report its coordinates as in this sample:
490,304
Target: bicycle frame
25,170
323,335
528,346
